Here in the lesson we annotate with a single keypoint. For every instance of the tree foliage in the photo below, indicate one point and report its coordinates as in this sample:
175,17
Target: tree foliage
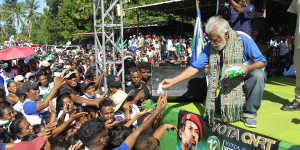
61,19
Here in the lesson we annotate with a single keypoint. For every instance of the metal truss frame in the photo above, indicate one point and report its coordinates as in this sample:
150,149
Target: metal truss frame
108,17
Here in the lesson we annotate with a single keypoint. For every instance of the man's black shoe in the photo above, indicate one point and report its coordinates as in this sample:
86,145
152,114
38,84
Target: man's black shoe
293,106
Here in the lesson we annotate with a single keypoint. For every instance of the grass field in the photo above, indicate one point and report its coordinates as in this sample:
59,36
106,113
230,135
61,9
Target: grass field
272,121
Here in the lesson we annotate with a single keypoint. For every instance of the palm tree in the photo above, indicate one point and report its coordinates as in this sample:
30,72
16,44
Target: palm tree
6,17
19,14
31,7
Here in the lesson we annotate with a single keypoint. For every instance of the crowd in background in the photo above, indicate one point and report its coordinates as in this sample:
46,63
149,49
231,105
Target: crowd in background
59,101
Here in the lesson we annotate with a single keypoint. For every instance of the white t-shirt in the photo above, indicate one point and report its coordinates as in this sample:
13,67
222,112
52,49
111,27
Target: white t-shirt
31,114
46,90
18,106
67,116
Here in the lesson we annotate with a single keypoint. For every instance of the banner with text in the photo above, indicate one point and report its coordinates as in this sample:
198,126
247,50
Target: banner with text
195,134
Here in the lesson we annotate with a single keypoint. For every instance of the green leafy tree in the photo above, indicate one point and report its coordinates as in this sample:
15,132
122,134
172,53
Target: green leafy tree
31,7
75,16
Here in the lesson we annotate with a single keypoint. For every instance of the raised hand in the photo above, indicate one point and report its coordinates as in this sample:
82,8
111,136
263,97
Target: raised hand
162,102
58,82
109,123
76,146
144,112
77,115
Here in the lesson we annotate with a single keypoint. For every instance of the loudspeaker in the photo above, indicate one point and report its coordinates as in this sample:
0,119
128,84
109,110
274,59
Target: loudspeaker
193,89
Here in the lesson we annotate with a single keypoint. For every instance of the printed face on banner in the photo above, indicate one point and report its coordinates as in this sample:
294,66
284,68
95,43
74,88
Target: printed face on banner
189,134
196,134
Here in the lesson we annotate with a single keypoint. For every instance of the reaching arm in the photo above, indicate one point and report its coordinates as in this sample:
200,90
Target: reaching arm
136,117
187,73
256,65
161,104
63,126
58,82
52,111
99,78
86,102
160,131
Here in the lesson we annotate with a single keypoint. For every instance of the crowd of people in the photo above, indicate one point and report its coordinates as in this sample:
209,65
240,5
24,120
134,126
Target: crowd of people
59,101
156,49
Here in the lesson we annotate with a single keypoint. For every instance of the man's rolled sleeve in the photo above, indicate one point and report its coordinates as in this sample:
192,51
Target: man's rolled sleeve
251,50
30,108
202,61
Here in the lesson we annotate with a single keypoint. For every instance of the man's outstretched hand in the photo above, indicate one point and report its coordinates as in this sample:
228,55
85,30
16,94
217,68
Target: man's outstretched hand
166,83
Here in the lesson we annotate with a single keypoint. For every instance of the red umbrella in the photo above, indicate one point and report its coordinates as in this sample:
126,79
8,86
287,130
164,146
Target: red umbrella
16,52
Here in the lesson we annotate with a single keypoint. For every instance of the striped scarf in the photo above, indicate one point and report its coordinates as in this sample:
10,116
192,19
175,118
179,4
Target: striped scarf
231,90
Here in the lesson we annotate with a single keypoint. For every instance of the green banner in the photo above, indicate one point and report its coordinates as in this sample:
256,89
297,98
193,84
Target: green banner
195,134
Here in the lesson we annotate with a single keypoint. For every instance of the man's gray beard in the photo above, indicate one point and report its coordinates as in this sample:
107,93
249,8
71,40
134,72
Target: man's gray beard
190,146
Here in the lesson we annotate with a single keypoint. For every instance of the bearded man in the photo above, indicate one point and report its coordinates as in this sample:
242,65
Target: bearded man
240,96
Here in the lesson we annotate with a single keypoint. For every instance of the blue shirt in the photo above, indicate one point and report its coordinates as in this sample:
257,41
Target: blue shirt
242,21
123,146
29,108
3,146
251,53
283,49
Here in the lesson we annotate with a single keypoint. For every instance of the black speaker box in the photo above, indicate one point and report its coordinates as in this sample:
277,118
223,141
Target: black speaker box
192,89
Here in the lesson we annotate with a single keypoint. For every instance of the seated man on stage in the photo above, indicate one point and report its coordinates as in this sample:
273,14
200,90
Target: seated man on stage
226,51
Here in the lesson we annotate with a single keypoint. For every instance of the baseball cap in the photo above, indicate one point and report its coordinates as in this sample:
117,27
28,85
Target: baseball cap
19,78
194,118
29,85
20,92
67,73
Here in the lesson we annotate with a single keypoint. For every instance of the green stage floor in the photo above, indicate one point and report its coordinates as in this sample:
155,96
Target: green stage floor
271,121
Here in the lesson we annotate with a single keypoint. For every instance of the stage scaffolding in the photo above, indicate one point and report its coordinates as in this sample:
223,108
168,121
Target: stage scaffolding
108,19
